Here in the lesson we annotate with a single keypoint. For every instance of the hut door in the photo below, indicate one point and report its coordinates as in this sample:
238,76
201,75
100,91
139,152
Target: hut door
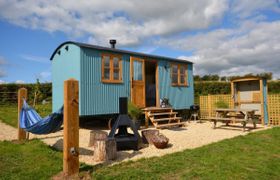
137,77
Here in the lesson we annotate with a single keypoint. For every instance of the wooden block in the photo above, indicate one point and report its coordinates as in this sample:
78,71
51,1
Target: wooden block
104,149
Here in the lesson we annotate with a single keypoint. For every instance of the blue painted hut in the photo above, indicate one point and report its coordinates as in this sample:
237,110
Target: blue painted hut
107,73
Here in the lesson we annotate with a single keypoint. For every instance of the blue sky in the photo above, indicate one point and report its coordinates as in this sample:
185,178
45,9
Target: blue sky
219,36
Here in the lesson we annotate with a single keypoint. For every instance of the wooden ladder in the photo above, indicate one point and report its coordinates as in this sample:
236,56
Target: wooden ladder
162,117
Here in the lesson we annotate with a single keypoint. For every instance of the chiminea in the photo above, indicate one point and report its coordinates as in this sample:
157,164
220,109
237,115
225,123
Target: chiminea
125,140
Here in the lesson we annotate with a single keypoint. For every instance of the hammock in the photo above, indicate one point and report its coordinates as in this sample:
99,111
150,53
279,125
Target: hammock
32,122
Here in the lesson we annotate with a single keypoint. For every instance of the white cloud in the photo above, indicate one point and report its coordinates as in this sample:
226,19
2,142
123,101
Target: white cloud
45,76
129,21
35,58
19,82
247,8
251,48
2,82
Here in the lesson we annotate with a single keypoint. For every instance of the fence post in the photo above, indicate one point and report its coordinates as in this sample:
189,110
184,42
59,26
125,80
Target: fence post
71,128
22,94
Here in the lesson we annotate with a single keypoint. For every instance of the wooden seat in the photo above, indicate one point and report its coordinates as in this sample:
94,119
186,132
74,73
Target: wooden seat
227,119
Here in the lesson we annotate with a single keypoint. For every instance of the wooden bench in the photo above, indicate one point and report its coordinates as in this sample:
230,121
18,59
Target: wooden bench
228,120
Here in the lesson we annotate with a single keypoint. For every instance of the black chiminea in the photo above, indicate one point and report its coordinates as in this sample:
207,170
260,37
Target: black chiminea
125,140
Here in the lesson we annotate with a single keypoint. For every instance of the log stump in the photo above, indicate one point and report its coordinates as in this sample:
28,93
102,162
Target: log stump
104,149
96,134
148,134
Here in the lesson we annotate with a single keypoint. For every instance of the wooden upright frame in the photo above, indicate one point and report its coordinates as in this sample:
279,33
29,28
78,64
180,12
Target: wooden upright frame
233,82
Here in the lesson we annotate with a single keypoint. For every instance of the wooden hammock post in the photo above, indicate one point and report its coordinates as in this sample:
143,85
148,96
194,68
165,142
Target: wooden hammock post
22,94
71,128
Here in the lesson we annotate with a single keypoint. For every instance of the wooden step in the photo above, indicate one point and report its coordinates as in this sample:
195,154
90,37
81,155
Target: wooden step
156,109
165,119
165,113
170,125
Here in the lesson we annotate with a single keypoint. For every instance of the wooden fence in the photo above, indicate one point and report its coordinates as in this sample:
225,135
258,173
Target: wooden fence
273,102
210,102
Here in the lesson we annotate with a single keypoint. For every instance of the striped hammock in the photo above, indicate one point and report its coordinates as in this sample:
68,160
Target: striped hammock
32,122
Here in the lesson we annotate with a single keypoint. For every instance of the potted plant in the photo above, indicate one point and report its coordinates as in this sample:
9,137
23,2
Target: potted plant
135,114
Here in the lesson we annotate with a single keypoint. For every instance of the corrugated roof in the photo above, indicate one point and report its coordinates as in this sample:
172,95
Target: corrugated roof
84,45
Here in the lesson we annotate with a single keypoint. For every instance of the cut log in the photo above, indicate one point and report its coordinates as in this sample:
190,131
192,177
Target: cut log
104,149
96,134
147,136
160,141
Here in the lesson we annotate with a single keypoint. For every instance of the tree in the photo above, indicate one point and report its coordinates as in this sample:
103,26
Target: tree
37,92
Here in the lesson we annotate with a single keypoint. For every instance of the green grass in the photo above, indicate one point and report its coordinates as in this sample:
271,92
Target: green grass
28,160
255,156
9,113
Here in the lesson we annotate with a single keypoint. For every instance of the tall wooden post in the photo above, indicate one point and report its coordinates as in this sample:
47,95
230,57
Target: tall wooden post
71,128
22,94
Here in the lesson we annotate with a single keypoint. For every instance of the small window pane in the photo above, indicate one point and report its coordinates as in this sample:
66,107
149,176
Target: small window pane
106,73
116,74
137,70
106,61
182,70
174,69
182,79
116,62
174,79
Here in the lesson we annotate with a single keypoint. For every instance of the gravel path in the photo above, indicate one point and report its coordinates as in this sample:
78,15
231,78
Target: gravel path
192,136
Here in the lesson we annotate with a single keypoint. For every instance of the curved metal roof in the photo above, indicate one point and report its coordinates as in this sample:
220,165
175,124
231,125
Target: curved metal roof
90,46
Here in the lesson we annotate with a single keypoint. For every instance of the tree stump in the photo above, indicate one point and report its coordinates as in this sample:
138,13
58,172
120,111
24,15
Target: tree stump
96,134
147,135
104,149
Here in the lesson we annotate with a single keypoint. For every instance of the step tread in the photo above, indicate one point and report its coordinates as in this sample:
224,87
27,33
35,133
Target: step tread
165,119
170,124
165,113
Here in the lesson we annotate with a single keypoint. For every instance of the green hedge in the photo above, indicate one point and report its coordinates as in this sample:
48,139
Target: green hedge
214,87
211,87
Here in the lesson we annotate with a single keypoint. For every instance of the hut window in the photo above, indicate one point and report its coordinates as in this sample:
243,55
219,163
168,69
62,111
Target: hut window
179,74
111,68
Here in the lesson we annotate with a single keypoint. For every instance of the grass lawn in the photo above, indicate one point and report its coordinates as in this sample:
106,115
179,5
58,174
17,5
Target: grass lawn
255,156
29,160
9,113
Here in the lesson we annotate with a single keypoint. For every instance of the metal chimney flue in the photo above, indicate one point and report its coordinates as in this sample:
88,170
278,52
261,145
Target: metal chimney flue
123,105
113,43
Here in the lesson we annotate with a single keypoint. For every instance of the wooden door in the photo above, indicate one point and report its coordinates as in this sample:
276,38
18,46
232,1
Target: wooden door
137,77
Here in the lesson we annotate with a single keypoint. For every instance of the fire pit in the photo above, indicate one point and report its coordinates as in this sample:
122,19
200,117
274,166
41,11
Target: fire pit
124,140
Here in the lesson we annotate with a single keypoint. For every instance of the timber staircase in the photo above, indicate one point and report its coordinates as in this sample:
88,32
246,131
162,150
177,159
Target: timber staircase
162,117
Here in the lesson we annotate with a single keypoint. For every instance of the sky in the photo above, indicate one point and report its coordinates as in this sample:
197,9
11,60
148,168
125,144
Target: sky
224,37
